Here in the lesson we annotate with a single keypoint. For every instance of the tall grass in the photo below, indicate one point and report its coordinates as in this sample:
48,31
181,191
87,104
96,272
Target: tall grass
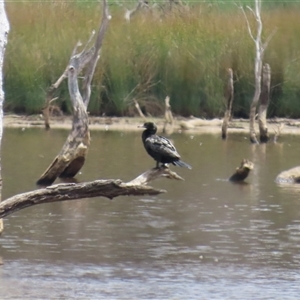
183,55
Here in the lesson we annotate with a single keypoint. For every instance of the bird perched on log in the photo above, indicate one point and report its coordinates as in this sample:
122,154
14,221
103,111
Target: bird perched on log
160,148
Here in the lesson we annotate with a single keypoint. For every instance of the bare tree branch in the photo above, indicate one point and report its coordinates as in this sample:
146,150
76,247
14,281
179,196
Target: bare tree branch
109,188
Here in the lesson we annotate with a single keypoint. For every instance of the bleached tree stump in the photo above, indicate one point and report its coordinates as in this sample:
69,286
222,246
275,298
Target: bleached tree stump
4,29
264,104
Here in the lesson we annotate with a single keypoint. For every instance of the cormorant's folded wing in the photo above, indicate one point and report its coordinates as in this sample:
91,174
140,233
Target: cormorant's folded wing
162,145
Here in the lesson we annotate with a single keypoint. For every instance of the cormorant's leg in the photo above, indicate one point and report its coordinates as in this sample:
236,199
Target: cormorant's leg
157,165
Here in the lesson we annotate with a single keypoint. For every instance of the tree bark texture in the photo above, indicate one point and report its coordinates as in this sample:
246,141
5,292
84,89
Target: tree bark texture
264,103
228,94
109,188
73,154
4,29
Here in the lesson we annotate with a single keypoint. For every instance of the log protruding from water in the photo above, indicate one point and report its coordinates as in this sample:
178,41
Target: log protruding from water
289,176
228,94
242,172
264,103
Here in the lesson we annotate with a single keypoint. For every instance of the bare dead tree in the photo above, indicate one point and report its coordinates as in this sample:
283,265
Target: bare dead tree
259,53
4,29
228,94
73,153
264,103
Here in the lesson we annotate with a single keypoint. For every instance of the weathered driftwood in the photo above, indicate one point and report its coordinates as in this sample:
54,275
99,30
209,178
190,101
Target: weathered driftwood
196,122
289,176
169,120
109,188
242,172
264,103
228,94
4,29
72,156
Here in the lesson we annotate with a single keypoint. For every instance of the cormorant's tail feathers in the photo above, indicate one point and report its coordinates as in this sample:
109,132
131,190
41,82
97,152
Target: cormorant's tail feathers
181,163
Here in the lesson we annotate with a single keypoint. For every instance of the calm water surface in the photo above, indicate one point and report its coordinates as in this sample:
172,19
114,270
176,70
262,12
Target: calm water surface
205,239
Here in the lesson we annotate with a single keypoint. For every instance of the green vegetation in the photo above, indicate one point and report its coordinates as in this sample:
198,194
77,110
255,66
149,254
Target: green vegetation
184,55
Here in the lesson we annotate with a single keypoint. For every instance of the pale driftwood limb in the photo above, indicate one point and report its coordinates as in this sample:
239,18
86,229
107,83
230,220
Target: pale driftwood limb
153,174
228,94
264,103
109,188
196,122
137,106
242,171
4,30
72,191
289,176
169,120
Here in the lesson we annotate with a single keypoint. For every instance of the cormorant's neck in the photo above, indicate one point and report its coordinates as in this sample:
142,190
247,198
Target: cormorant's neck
148,132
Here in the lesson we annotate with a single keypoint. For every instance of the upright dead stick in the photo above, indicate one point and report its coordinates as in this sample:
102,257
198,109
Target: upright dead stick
228,94
169,120
264,103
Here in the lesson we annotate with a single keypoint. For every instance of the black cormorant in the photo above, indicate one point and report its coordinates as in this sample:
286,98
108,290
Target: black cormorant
160,148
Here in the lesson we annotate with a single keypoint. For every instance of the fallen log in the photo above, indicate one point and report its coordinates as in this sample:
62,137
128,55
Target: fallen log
109,188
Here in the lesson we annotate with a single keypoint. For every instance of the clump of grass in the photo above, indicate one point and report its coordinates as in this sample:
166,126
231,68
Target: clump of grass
183,55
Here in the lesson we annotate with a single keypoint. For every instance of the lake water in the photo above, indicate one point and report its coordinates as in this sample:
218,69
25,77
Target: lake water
206,238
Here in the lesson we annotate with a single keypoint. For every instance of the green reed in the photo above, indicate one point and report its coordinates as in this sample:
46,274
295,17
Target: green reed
184,55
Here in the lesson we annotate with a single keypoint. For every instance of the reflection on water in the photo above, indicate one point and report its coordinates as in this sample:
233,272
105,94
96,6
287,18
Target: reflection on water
206,238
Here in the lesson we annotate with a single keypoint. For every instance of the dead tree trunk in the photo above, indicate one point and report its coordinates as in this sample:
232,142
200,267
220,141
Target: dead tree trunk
72,156
228,94
264,103
259,53
4,29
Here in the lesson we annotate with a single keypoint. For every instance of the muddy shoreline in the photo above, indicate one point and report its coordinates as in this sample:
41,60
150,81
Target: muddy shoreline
291,126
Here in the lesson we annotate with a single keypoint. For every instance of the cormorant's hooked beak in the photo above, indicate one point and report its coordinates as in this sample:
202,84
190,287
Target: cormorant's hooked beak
141,126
